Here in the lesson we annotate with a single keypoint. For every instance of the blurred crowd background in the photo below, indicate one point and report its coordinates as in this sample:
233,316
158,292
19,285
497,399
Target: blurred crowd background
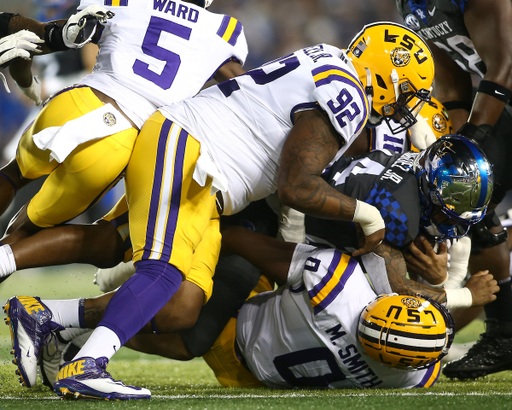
273,28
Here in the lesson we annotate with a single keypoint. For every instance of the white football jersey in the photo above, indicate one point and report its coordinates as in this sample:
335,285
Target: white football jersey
156,52
304,333
244,122
382,138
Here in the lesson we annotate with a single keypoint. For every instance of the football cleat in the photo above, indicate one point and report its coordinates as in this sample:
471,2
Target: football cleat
491,354
31,327
50,360
56,353
86,378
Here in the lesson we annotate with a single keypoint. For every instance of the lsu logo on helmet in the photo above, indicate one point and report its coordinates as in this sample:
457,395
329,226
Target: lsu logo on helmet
405,331
400,57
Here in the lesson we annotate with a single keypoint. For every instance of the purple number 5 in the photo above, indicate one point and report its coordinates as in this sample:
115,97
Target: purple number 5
151,48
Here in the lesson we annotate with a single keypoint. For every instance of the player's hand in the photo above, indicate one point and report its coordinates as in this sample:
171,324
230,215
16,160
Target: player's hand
20,44
422,135
81,27
483,288
370,242
425,262
33,91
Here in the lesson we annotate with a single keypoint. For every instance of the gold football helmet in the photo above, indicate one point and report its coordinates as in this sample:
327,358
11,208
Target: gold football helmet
437,119
396,68
405,331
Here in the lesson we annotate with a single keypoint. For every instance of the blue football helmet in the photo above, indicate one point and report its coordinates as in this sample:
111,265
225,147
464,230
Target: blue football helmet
456,179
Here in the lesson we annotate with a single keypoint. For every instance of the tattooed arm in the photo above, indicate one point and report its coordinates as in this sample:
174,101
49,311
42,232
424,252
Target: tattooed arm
397,275
310,146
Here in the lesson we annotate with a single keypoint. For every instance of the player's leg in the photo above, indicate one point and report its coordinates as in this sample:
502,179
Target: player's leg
11,181
82,178
493,352
169,213
99,244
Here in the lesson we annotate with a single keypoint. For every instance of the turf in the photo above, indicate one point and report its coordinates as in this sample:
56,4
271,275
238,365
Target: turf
191,385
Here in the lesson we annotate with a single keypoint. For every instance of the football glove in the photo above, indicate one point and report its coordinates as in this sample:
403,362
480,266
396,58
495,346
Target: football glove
19,44
422,135
33,91
81,27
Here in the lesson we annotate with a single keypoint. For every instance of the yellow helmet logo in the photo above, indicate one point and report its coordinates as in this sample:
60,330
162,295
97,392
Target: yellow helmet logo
439,123
400,57
411,302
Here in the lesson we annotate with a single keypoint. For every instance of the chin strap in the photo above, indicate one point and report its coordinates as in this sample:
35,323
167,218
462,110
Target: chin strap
369,88
394,79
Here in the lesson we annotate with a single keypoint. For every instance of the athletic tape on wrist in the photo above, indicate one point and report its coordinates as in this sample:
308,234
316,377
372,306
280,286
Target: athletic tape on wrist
458,298
368,217
495,90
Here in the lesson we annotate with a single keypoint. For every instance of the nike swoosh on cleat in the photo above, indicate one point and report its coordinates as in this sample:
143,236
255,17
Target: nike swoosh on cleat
431,12
497,92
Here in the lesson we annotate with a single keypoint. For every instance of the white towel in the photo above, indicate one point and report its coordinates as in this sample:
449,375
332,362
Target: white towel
205,167
100,123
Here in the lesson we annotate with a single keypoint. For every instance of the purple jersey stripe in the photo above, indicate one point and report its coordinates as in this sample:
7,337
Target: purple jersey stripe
332,267
177,184
107,3
123,2
224,25
427,376
236,34
347,273
157,186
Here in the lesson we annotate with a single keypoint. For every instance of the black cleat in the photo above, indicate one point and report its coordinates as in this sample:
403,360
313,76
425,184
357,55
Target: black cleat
491,354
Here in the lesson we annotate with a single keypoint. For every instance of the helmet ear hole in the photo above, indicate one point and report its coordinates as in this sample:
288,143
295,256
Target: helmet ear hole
380,82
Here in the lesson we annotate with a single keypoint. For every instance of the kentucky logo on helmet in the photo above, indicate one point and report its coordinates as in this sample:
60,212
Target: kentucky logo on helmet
439,123
400,57
412,22
109,119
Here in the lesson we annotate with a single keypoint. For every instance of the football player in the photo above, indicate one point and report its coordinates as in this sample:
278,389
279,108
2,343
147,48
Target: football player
22,37
464,43
245,138
154,54
324,312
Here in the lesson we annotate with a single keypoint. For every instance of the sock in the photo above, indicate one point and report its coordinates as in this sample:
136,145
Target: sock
7,261
66,312
103,342
141,297
67,335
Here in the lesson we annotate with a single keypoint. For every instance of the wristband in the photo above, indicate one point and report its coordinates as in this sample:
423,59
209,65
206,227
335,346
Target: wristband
368,217
5,18
458,298
495,90
53,37
457,105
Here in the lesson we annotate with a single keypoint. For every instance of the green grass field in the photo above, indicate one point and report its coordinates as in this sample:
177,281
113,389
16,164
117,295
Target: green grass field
191,385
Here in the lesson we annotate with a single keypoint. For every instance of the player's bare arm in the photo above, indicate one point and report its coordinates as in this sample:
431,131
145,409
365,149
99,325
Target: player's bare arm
489,23
452,83
310,146
229,70
251,246
397,275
